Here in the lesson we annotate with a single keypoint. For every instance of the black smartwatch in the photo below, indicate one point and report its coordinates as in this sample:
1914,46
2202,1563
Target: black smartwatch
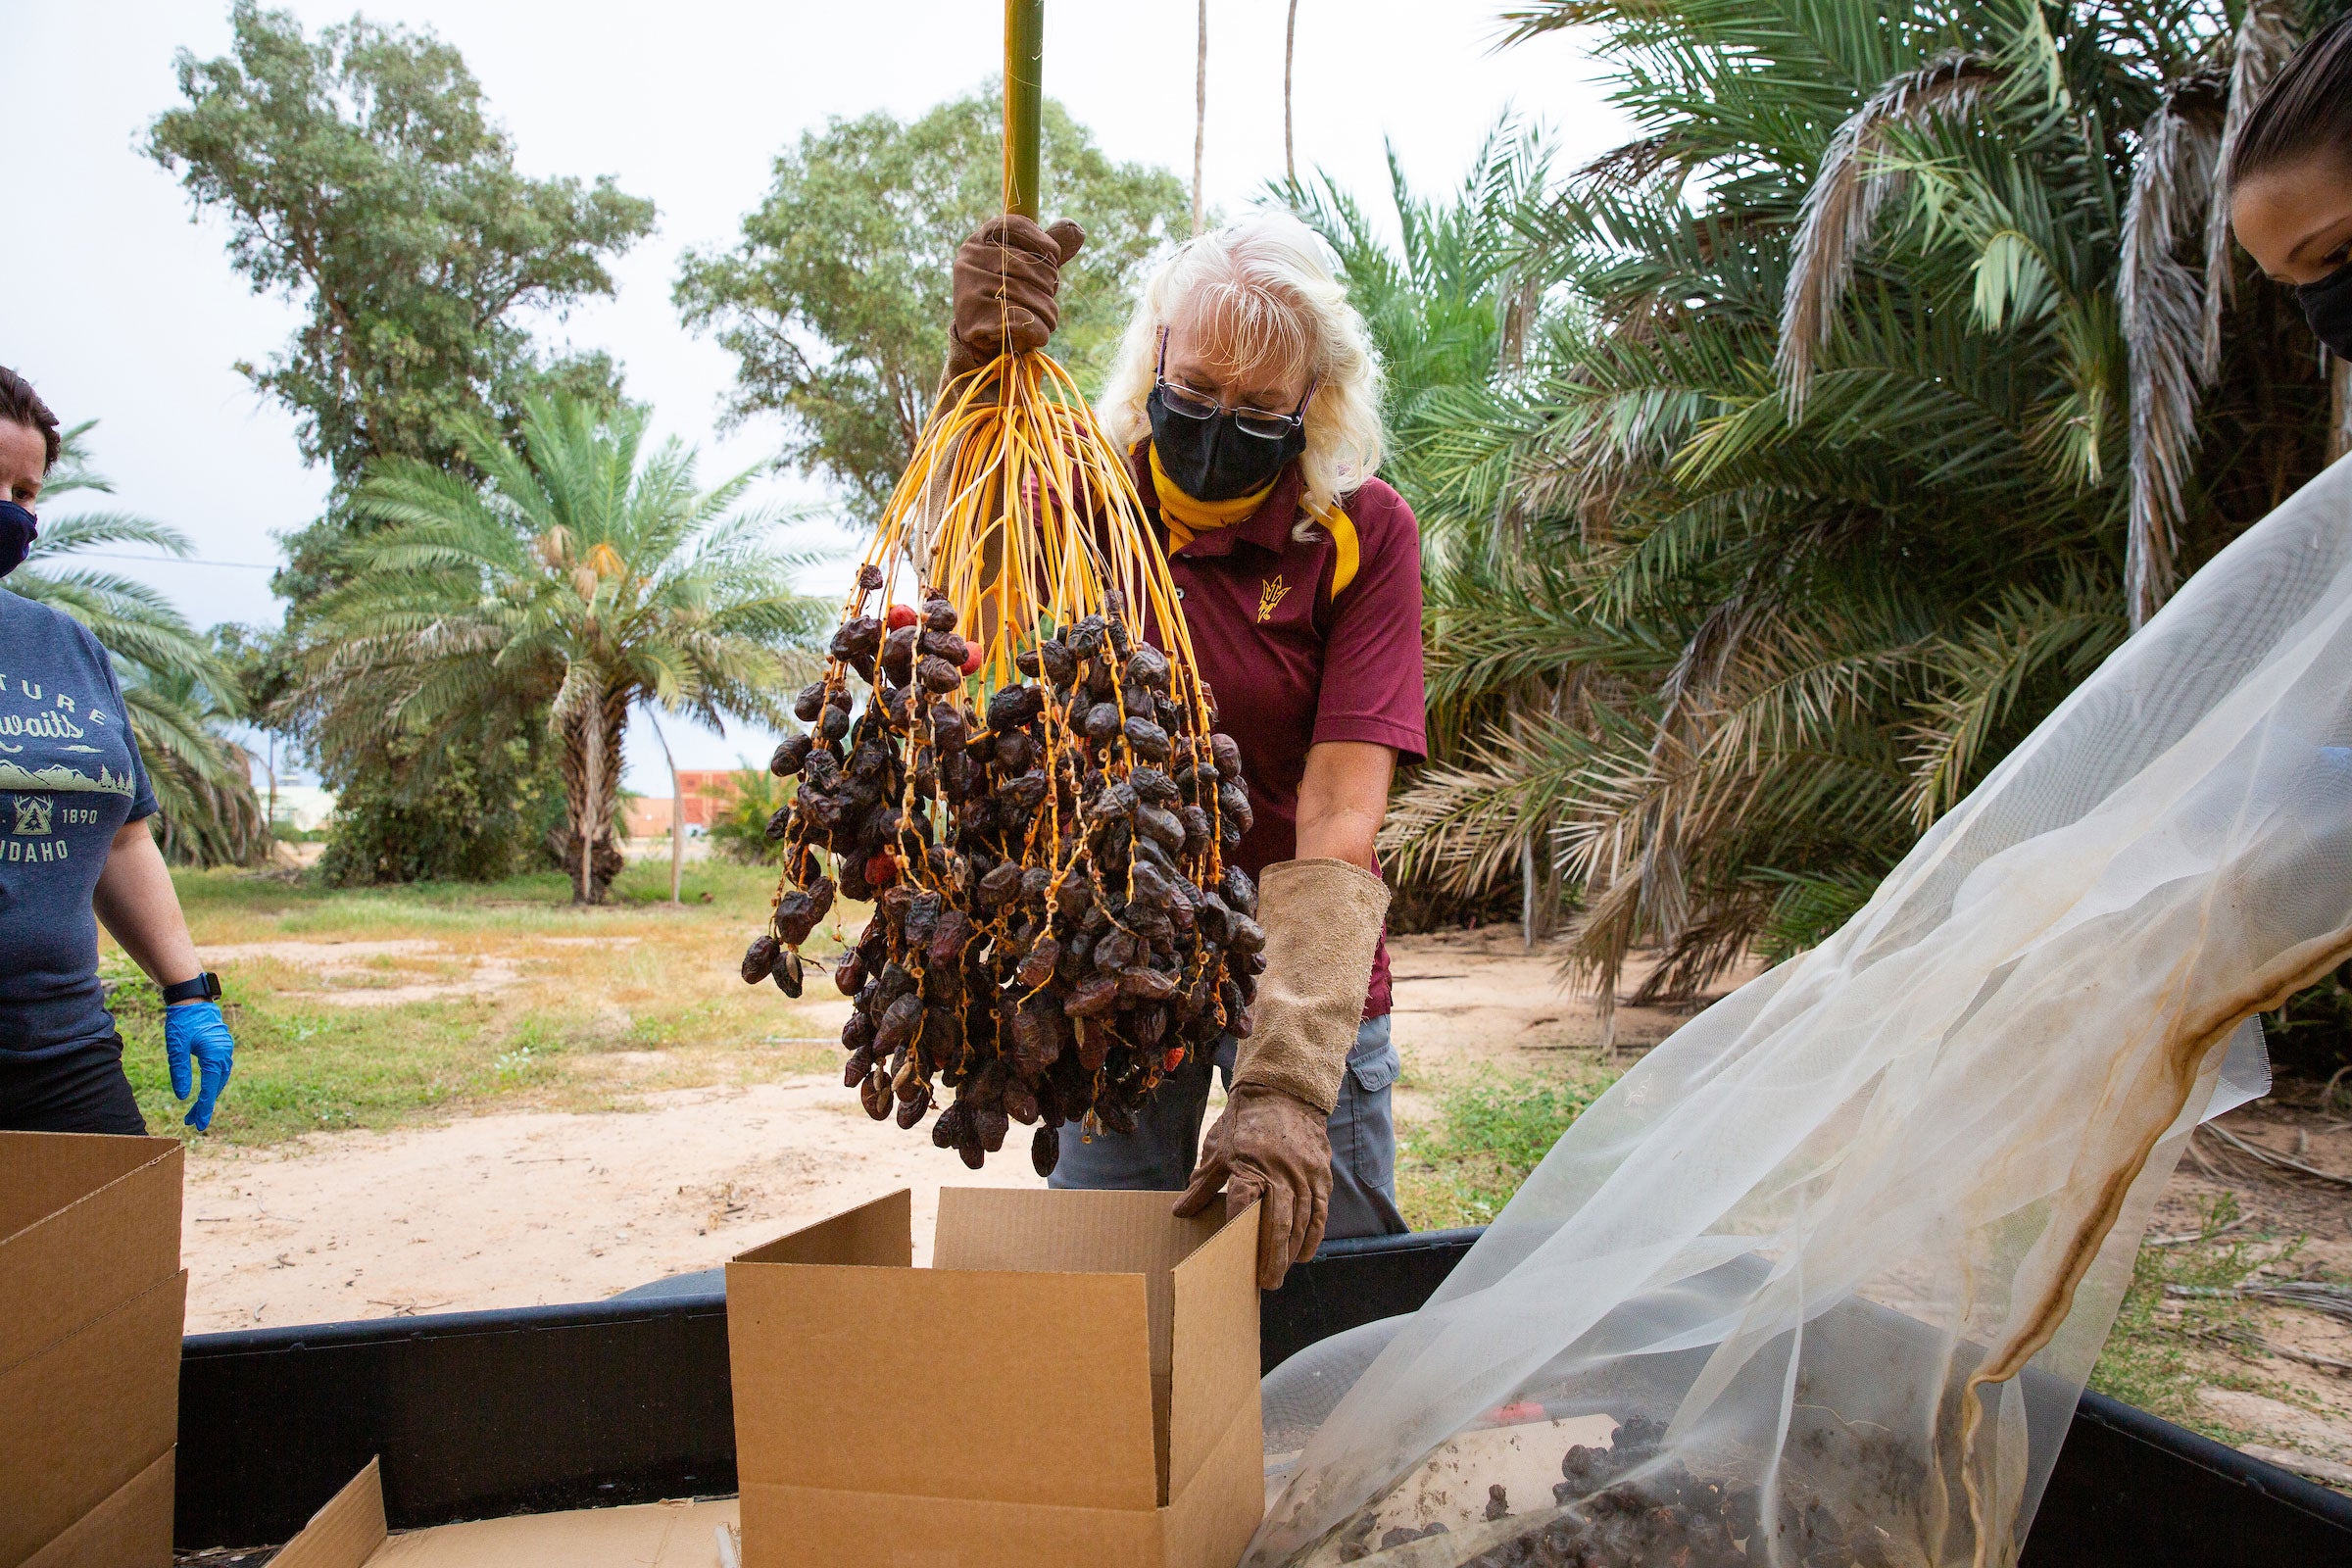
205,987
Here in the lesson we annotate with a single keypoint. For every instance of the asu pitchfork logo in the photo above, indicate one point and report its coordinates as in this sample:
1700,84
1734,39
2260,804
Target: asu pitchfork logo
1270,594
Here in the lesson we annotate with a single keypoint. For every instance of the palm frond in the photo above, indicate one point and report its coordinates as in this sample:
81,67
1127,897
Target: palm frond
2163,312
2266,38
1841,212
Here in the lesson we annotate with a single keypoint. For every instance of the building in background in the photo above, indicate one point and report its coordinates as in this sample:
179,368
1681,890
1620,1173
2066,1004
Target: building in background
708,793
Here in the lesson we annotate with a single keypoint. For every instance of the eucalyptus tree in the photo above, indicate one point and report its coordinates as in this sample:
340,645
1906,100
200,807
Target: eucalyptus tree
362,179
1897,370
179,695
357,172
834,300
584,573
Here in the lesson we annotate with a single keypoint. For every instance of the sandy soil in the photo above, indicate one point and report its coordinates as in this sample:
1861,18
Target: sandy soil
373,974
2278,1202
521,1209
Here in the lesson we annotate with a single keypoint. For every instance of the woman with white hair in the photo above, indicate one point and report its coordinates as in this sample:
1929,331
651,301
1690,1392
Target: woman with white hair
1247,394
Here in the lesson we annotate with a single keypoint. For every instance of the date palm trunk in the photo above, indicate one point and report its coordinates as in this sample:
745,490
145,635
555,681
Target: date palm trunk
591,766
592,752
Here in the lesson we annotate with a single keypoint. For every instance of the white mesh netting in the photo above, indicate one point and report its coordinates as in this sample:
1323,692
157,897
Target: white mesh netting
1820,1280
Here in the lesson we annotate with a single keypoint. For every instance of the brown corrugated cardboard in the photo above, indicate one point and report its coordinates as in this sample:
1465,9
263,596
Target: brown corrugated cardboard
100,1214
91,1303
1101,1408
349,1533
132,1529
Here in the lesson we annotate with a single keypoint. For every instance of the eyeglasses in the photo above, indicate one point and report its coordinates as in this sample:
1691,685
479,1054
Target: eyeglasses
1183,401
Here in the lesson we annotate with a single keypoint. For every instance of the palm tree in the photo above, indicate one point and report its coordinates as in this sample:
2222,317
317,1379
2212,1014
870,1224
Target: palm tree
178,693
581,576
1450,307
1896,371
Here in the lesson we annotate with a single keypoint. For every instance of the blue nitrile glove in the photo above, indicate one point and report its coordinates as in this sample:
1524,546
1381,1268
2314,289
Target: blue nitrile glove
197,1029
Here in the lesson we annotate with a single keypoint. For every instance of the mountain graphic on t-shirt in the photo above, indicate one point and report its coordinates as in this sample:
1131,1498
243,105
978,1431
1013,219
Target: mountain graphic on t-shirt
58,776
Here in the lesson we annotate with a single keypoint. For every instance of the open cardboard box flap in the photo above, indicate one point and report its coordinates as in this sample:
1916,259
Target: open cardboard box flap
349,1533
100,1212
1073,1380
92,1300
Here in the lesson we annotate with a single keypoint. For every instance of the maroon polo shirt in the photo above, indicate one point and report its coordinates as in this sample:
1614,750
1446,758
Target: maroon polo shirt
1292,662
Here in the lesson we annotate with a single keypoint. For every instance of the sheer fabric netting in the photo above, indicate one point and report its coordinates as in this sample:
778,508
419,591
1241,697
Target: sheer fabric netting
1843,1249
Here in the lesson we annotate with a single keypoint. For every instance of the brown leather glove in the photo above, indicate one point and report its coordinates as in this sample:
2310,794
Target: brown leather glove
1007,277
1272,1148
1322,920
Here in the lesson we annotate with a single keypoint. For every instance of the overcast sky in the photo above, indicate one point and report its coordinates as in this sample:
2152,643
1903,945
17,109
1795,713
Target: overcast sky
120,309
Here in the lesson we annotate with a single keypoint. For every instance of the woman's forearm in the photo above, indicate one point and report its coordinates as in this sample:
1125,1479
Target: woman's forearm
1342,797
138,906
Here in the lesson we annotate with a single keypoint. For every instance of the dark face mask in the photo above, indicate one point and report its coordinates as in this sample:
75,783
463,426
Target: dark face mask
2327,306
1216,459
16,530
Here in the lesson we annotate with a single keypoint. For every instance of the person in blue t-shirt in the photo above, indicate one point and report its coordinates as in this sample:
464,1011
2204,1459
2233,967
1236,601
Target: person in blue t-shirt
75,850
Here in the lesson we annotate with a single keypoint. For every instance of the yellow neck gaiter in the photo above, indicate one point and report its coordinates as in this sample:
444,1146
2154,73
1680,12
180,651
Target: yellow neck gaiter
1184,517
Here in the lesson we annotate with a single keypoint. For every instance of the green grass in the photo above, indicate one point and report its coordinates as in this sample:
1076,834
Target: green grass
325,1068
654,978
1462,1168
297,904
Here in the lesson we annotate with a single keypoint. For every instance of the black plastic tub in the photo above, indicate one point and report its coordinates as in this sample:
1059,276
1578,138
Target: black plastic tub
479,1415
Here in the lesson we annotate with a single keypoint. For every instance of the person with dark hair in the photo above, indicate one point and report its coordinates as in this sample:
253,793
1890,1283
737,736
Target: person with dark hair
75,850
2290,182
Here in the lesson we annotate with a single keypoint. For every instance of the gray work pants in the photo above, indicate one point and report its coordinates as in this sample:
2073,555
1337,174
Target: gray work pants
1159,1154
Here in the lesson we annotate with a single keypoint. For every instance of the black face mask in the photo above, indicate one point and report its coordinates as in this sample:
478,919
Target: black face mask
1216,459
16,530
2327,306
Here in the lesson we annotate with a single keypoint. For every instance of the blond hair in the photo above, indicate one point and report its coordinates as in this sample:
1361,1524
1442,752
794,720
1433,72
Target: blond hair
1260,288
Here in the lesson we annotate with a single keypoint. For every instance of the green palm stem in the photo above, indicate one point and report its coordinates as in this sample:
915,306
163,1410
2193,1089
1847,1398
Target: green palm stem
1024,103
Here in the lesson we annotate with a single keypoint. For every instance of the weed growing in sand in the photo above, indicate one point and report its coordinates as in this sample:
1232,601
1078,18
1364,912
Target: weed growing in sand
1462,1168
2164,1348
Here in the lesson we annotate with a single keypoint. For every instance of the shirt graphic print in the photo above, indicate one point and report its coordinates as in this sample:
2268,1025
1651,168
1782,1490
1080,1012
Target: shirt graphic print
70,778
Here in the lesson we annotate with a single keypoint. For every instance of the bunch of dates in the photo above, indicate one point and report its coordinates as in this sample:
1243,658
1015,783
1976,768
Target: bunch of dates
1056,928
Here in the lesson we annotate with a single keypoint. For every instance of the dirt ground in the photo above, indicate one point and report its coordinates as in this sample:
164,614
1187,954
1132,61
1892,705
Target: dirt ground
518,1208
524,1208
2294,1390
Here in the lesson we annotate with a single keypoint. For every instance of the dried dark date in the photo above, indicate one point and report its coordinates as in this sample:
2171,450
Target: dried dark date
787,972
791,752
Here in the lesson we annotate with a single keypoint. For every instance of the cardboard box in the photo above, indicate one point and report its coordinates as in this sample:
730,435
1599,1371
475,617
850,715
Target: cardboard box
92,1298
349,1533
1074,1380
